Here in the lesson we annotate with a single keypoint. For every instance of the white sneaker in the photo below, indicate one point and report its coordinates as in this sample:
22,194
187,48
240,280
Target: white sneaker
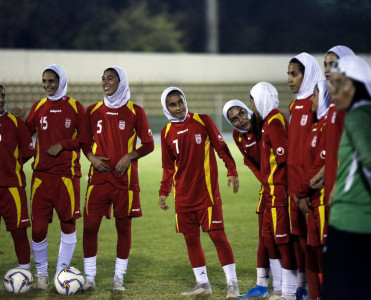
286,297
275,295
199,288
232,289
117,285
89,285
42,281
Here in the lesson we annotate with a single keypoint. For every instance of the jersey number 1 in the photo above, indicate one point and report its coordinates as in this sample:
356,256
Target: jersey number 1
176,146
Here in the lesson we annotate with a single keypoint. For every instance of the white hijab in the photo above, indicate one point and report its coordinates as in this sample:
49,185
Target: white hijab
170,117
62,88
324,98
341,51
232,103
265,98
312,75
122,95
355,68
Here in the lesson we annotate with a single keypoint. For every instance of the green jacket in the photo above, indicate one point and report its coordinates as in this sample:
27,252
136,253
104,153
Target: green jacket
351,206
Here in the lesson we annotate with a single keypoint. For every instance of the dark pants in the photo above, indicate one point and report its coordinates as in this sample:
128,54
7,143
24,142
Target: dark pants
347,266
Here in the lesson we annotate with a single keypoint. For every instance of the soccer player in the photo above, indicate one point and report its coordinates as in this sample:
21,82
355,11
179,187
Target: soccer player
273,166
303,74
247,136
347,261
15,148
114,125
189,165
58,121
310,201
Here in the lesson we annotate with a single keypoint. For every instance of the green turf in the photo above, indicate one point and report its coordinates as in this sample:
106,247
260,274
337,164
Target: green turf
158,264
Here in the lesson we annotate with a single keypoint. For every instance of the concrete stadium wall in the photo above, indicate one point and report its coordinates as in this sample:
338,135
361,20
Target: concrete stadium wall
87,66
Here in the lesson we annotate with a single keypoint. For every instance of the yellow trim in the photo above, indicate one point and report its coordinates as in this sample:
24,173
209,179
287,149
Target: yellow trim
131,195
176,170
99,104
261,192
279,117
198,119
273,166
130,105
72,102
322,197
37,158
17,200
88,192
176,222
74,157
14,119
240,137
74,134
130,149
274,220
210,214
321,211
167,128
94,148
17,166
207,169
35,185
68,183
40,103
292,104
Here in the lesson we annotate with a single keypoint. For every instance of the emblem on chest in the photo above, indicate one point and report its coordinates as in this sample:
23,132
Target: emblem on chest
122,125
198,138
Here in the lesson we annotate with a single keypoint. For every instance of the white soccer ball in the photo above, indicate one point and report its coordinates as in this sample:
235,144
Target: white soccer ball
69,281
18,280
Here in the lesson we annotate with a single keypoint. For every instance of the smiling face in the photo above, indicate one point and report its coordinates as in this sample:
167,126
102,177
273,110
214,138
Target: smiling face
295,77
50,82
342,91
110,82
175,105
239,118
2,100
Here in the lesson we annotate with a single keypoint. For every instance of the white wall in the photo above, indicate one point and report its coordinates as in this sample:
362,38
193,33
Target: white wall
88,66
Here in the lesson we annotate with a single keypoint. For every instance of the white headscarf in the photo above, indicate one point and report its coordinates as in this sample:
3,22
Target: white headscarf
265,98
324,98
355,68
312,75
122,95
62,88
341,51
170,117
232,103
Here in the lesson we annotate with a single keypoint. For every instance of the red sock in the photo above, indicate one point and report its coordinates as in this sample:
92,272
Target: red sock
90,235
223,248
21,245
123,227
195,252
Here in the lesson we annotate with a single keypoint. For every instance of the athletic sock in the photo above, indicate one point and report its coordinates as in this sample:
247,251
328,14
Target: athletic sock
66,249
276,270
40,254
262,276
201,274
230,272
90,268
289,281
302,280
120,267
24,266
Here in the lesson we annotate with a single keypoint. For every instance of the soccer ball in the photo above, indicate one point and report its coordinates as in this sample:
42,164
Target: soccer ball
69,281
18,280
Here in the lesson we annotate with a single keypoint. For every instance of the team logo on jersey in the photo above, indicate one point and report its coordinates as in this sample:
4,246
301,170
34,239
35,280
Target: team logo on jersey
314,141
122,125
333,118
280,151
149,132
323,154
198,138
67,123
220,138
304,119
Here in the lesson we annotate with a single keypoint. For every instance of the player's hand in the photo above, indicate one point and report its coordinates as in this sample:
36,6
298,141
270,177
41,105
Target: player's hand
125,161
98,163
296,199
55,149
318,180
18,112
162,203
304,204
235,183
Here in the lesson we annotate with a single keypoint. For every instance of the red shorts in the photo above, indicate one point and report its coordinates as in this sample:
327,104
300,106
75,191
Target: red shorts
297,219
210,218
13,207
276,224
50,191
317,220
100,197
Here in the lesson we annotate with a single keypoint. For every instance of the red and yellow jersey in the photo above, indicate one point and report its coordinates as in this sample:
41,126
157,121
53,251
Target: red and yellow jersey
114,133
274,158
61,122
314,160
301,121
189,162
15,145
333,131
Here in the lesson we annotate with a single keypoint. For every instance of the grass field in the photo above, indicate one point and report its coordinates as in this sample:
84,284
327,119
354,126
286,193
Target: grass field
158,264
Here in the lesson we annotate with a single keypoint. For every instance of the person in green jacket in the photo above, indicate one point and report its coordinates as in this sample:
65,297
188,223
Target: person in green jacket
347,260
